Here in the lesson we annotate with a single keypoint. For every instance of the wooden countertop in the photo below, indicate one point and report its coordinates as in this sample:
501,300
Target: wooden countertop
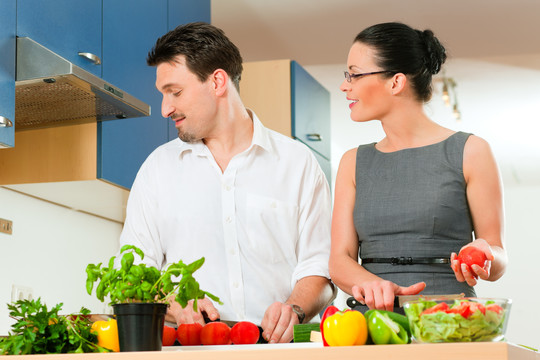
315,351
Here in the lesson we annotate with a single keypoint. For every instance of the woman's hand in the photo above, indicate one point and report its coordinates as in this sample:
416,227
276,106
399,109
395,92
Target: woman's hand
381,294
464,273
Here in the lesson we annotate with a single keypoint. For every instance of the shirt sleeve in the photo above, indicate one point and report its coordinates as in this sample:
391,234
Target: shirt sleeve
313,246
141,226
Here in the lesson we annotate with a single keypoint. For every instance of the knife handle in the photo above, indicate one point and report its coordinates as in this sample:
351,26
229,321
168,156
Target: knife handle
353,303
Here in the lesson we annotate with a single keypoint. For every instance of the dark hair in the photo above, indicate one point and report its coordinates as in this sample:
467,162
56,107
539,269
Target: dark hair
205,47
400,48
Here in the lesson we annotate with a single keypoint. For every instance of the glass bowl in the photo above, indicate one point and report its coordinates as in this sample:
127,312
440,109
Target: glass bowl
459,320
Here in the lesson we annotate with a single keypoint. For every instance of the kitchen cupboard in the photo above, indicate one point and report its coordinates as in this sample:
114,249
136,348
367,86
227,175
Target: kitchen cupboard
287,99
7,73
129,32
67,27
59,163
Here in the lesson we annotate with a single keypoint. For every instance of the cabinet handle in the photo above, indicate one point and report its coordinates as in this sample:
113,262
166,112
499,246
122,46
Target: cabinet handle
93,58
314,137
5,122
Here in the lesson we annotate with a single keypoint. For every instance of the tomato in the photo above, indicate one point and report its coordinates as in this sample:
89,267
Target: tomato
439,307
470,255
245,332
189,334
462,309
477,306
169,336
494,307
216,333
107,332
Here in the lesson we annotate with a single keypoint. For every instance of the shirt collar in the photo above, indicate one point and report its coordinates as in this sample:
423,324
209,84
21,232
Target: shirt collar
261,138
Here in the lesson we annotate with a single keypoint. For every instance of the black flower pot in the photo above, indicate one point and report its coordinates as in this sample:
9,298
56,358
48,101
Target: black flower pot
140,325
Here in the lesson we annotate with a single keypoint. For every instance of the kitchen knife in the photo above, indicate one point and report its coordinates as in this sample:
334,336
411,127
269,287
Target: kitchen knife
400,300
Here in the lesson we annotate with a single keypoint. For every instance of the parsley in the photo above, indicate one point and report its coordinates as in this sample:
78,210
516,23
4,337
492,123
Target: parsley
38,330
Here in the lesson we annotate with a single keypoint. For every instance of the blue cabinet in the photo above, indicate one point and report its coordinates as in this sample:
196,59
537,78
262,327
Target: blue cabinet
67,27
130,29
310,122
120,33
7,72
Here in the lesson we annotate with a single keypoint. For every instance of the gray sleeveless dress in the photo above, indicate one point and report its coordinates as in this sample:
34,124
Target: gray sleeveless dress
412,203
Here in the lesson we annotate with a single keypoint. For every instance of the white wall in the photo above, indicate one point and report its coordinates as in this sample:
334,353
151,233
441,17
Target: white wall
493,105
48,252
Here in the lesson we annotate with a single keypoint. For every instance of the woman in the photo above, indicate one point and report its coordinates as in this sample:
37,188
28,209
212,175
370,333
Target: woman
407,204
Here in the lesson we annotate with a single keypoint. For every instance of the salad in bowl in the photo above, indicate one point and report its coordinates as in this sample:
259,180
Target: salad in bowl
459,320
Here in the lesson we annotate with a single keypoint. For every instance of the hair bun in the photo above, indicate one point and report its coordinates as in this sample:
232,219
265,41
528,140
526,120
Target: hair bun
435,55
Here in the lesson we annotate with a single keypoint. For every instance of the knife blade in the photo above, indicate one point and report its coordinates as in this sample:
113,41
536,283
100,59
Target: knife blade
400,300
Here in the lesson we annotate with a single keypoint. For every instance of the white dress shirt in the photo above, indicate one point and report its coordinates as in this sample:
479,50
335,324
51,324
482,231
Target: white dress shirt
262,224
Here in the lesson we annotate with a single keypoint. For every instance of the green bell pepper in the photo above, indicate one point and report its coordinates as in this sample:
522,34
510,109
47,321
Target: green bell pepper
384,330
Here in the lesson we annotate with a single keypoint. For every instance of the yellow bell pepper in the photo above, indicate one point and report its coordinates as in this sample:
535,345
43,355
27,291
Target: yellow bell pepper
345,329
107,332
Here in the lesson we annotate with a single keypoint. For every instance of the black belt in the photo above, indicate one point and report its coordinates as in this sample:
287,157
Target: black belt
406,260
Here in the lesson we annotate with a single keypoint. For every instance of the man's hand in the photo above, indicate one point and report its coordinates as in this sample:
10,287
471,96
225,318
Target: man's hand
278,322
186,315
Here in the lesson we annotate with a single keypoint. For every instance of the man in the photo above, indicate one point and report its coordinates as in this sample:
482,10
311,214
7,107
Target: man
253,202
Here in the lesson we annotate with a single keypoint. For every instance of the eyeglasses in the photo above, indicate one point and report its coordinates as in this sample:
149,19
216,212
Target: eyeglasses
350,76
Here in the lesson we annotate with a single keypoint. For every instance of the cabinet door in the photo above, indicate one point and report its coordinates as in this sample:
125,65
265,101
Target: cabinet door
130,29
310,111
7,71
183,12
66,27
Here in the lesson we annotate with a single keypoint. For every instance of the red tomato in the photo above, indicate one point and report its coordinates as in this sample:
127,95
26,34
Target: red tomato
245,332
216,333
189,334
330,310
477,306
439,307
169,336
462,309
470,255
494,307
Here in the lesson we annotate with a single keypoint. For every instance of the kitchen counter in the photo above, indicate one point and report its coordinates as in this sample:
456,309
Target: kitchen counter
315,351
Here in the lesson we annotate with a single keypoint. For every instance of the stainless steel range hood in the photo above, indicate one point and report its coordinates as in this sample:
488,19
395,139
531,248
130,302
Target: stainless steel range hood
49,90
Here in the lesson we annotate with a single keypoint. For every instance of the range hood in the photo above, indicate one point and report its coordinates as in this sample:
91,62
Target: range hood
49,90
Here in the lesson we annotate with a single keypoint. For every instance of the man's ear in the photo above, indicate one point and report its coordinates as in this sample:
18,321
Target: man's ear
398,83
220,78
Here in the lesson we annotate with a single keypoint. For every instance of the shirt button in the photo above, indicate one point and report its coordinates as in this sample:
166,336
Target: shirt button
232,252
228,219
273,205
235,285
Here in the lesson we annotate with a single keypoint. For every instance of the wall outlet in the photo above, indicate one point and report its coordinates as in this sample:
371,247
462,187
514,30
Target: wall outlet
21,293
6,226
